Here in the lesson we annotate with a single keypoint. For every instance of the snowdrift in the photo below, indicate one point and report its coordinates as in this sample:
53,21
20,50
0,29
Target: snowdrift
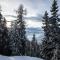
18,58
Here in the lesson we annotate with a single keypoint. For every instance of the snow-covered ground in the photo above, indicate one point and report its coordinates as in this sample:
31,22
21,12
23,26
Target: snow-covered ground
18,58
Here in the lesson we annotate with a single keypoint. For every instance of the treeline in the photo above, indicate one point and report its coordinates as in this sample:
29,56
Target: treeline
13,41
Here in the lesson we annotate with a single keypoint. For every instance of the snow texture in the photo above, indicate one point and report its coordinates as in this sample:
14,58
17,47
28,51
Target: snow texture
19,58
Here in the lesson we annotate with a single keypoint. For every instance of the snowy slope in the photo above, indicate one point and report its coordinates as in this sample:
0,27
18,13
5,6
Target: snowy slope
4,58
18,58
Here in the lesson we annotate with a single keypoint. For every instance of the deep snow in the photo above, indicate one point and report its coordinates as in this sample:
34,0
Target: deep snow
19,58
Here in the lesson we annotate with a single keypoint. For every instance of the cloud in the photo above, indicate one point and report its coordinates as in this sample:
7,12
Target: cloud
35,21
34,24
38,18
33,6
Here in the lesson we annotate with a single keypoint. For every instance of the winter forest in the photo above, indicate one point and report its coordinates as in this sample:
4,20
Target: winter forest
14,41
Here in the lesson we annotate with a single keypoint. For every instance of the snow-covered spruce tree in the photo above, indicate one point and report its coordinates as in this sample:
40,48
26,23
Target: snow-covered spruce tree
46,25
27,48
54,21
14,40
34,46
46,43
4,38
21,29
55,34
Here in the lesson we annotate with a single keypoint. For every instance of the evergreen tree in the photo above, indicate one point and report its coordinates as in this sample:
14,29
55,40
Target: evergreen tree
51,34
54,22
46,41
21,29
4,38
34,46
14,40
46,23
28,48
54,25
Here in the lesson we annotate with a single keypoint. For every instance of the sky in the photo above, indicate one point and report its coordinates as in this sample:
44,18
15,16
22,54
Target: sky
35,8
35,11
39,6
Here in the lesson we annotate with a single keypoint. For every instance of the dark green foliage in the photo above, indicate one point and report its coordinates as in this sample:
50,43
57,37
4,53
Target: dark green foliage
46,23
22,32
46,44
34,46
51,30
4,38
54,22
54,8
